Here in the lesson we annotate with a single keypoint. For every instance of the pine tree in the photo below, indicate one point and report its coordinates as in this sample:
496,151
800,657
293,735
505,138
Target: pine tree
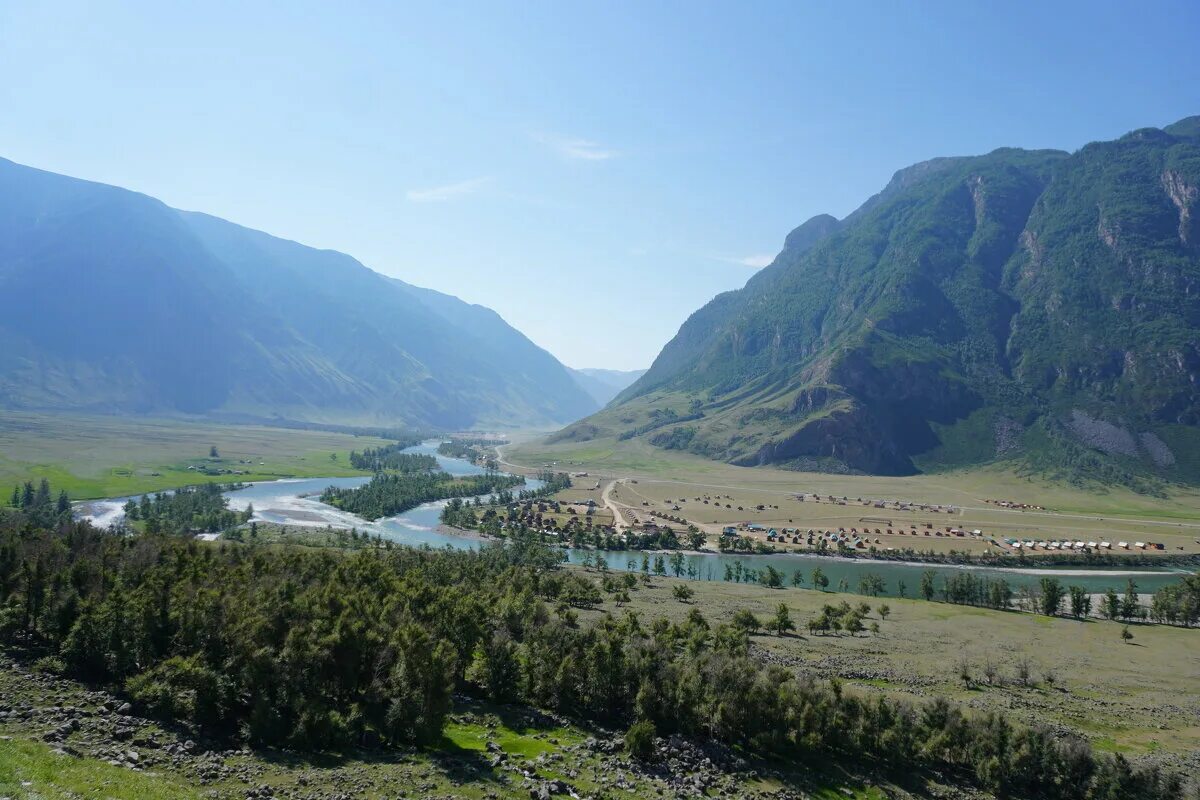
42,500
781,623
1112,604
927,578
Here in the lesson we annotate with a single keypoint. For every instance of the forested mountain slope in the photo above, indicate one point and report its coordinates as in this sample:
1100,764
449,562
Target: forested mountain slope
129,306
1022,304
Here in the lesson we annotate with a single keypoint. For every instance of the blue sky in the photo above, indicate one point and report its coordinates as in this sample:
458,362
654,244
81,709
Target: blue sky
593,171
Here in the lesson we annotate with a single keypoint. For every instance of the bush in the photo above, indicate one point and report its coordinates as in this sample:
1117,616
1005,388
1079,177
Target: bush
746,620
639,739
50,665
181,688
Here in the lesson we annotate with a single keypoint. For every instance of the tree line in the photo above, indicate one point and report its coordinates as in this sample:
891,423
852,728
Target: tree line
325,649
500,517
39,504
468,448
393,457
388,494
1176,604
189,509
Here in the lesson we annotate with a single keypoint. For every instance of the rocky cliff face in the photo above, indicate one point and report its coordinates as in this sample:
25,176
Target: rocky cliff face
973,309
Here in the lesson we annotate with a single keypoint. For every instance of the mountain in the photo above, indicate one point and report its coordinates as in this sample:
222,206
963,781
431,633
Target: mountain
1033,305
605,384
121,304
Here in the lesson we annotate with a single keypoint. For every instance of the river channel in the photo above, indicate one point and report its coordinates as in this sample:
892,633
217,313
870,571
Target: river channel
295,502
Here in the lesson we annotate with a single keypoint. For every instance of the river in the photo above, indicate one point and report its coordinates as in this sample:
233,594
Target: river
294,502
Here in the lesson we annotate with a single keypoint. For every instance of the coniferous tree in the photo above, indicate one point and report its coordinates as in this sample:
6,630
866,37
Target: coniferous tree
1112,604
1051,596
782,623
1130,607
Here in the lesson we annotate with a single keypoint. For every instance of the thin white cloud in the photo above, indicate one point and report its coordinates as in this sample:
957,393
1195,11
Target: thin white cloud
449,191
756,261
579,149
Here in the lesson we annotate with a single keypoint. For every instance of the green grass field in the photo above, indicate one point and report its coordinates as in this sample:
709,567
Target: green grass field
33,771
93,456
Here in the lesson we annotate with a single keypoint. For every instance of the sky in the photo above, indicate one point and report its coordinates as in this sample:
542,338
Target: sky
595,172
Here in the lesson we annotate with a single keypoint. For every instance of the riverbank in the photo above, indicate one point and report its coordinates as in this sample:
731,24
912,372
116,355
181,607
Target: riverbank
296,503
713,495
94,457
1185,564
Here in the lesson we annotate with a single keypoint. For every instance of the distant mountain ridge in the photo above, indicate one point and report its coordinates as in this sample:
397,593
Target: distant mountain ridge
130,306
1038,305
605,384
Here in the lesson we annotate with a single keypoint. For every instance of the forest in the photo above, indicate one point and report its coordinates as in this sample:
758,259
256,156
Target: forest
468,448
38,504
321,650
388,494
393,457
200,508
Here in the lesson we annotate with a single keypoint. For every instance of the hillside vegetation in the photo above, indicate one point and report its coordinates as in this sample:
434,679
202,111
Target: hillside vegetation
124,305
1030,305
326,651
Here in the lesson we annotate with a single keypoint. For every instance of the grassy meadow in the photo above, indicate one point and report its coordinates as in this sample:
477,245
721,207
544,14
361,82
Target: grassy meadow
34,771
97,456
658,479
1137,698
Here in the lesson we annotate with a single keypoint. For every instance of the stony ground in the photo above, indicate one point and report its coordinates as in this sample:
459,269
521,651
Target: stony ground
61,739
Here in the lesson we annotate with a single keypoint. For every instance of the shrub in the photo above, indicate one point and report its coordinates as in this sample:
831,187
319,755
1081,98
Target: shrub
639,739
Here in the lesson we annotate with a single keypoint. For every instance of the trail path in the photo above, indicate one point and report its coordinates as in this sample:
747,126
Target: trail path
1015,513
613,506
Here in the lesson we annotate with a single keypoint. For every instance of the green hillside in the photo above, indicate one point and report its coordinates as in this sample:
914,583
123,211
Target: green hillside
120,304
1031,305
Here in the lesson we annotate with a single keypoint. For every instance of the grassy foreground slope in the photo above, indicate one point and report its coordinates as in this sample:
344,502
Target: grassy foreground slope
1136,699
100,456
1139,699
486,751
30,769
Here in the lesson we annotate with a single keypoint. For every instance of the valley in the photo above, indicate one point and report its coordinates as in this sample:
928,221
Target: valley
1121,700
876,475
895,659
651,479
